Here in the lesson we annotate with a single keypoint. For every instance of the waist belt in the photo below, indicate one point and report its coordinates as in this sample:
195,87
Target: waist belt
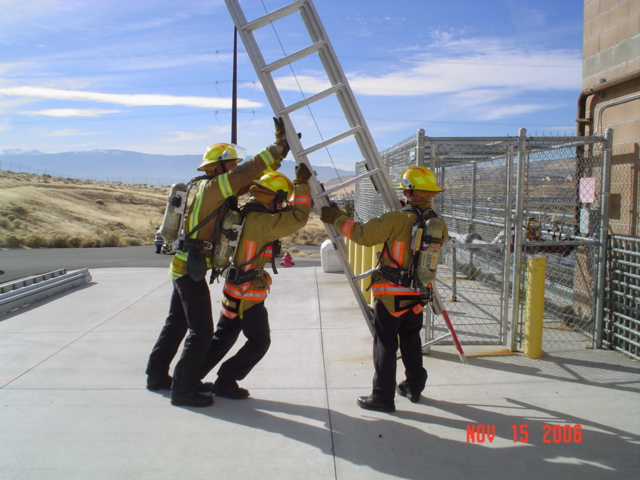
194,242
235,275
396,275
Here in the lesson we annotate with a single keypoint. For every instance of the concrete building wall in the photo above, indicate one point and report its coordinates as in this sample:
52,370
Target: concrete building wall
611,56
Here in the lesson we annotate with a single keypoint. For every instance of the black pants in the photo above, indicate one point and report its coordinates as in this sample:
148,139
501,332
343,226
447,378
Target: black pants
385,346
189,310
255,327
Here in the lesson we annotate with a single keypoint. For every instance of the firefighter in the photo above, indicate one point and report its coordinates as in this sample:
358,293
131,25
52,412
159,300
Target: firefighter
267,219
397,310
190,305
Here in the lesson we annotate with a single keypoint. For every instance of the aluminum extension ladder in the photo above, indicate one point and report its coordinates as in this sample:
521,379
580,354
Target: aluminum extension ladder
339,88
358,129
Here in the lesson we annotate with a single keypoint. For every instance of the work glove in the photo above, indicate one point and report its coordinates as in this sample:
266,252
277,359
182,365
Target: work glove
281,138
330,214
303,174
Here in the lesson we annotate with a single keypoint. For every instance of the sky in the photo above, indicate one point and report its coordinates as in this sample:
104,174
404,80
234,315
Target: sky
155,76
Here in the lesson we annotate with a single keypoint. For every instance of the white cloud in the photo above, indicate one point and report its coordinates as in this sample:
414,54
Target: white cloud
460,65
131,100
70,112
67,132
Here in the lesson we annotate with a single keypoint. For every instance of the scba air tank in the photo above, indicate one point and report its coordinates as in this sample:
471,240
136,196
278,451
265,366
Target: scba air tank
430,245
229,233
170,228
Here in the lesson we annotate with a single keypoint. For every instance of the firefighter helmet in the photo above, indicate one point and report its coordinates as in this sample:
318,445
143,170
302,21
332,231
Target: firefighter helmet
418,178
277,183
220,152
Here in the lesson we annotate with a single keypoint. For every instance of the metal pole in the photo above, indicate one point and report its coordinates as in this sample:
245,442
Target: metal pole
234,94
517,238
472,215
504,328
604,237
454,276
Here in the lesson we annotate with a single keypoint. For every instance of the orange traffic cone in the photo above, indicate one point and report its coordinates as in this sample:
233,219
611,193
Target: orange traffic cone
286,261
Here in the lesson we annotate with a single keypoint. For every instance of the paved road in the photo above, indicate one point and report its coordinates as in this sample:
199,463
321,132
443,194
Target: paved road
19,263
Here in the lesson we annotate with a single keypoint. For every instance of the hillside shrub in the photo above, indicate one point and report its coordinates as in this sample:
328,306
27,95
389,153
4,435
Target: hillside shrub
131,242
35,241
90,242
59,241
111,240
75,242
6,224
10,241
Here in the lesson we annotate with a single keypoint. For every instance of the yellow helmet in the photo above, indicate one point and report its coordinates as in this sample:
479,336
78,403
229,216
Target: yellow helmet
277,183
418,178
220,152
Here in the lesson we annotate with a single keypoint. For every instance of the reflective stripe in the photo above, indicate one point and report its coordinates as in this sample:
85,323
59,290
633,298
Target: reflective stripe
398,252
302,200
268,253
195,211
228,313
242,292
417,309
225,185
249,252
390,288
347,227
266,157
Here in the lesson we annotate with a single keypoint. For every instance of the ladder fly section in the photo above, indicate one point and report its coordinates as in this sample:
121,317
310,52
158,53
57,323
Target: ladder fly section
336,89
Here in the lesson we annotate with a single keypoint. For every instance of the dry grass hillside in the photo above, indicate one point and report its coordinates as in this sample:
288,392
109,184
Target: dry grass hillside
44,211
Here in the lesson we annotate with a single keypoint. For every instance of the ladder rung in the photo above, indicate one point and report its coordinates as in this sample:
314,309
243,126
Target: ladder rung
348,182
305,52
272,17
314,98
363,275
335,139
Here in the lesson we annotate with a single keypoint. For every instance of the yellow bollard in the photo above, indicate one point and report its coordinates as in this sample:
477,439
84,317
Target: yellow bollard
357,261
351,248
536,268
366,265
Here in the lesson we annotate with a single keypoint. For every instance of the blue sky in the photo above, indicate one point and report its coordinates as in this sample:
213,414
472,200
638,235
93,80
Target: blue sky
154,76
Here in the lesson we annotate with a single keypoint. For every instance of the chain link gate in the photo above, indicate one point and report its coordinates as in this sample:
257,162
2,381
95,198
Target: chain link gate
506,199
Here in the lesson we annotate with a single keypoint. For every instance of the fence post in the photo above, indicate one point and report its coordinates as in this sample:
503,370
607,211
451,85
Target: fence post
536,268
604,237
504,327
517,237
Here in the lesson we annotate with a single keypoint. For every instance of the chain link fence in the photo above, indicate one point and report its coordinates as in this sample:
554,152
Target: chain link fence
622,296
507,199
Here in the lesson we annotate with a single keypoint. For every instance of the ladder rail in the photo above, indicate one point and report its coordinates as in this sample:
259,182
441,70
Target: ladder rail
358,129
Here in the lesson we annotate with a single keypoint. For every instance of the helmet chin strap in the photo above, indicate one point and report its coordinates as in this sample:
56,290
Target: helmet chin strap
410,196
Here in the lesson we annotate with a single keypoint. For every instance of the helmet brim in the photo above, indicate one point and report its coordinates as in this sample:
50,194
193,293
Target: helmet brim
210,165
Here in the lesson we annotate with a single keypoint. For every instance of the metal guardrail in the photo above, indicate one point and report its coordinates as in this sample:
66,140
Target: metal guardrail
30,290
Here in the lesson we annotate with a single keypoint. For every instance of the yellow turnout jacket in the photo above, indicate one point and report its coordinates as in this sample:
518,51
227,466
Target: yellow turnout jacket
212,193
393,229
260,229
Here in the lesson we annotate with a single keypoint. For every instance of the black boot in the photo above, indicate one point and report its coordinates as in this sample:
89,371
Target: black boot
374,403
230,390
405,391
155,384
190,399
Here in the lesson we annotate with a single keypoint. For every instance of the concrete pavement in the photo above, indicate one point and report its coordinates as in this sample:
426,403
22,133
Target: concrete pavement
73,403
